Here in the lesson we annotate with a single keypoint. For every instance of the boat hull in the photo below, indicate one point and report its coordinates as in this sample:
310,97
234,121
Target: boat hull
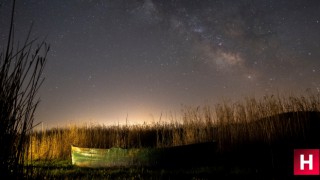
195,154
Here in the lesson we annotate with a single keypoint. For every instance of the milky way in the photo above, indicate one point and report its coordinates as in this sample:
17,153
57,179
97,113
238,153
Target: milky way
117,60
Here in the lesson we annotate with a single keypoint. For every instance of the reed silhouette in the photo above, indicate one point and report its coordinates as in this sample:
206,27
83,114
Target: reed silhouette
20,78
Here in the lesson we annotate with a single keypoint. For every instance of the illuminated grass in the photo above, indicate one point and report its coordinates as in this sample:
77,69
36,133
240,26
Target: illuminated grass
255,138
265,120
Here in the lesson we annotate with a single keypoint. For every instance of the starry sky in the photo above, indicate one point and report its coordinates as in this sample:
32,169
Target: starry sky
112,60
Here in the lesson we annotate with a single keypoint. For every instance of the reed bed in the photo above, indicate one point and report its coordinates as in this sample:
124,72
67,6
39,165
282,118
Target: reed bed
21,71
232,124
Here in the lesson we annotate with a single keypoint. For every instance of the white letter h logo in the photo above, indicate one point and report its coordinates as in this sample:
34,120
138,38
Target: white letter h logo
303,162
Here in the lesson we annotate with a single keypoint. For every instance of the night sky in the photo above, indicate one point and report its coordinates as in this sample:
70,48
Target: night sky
113,59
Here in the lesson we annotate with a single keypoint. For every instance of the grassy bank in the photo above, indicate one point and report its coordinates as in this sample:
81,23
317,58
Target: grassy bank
64,170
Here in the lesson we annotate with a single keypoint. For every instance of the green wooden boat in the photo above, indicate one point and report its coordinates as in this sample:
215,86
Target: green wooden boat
194,154
93,157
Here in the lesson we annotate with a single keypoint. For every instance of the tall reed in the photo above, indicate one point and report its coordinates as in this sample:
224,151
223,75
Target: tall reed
20,78
231,125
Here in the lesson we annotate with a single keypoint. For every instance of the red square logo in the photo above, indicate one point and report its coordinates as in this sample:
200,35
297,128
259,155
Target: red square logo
306,162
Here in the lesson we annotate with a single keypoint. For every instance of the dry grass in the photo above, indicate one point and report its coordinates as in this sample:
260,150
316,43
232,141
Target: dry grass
266,120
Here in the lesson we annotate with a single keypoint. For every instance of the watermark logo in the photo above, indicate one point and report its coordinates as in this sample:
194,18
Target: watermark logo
306,162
